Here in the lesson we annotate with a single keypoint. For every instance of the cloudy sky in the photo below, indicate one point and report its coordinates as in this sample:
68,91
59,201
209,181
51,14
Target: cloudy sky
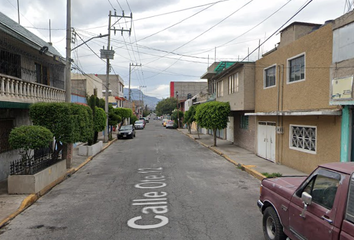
173,40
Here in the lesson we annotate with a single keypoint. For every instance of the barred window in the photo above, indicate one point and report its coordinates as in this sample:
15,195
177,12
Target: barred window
303,138
10,64
244,122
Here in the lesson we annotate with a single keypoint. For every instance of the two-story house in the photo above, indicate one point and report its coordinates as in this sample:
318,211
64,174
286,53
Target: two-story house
31,70
296,125
115,89
341,80
233,82
85,85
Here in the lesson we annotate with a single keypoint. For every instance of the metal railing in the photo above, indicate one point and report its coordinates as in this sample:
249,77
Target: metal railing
41,160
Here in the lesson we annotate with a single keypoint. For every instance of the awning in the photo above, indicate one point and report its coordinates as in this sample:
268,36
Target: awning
331,112
120,98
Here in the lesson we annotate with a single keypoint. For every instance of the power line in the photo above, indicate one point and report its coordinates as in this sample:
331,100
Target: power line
305,5
180,10
177,22
206,30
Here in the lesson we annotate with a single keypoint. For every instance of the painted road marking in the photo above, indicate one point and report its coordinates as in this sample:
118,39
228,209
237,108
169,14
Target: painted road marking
154,181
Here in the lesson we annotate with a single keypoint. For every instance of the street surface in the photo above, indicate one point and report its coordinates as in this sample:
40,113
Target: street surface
159,185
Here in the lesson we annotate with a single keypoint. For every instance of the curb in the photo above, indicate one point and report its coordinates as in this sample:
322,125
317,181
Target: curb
247,168
32,198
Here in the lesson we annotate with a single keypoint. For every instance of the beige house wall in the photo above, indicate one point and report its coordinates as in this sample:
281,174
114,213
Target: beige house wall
328,130
294,32
244,98
87,84
309,94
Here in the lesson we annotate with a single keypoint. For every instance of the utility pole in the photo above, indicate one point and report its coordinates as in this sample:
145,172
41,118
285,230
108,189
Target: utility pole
177,110
109,54
68,148
130,73
18,11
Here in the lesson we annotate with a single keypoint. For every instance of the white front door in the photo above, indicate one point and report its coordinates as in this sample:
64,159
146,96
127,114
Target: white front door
230,130
266,140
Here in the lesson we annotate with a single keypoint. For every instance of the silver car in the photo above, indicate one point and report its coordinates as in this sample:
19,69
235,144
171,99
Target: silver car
139,124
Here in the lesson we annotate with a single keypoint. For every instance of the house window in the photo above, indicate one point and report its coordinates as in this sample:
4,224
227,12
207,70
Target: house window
220,89
10,64
42,74
269,76
303,138
296,69
233,83
244,122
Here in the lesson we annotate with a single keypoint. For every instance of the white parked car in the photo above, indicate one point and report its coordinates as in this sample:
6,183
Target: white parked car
139,124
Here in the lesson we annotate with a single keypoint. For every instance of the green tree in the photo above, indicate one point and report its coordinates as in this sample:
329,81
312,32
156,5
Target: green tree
166,106
113,118
133,119
189,117
95,104
177,114
28,138
124,113
213,115
68,122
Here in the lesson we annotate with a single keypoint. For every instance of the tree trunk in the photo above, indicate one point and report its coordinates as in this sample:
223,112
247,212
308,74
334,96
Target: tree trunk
189,128
198,130
68,154
214,133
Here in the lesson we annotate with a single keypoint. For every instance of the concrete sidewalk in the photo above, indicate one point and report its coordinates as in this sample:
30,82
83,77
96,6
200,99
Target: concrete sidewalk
243,158
14,204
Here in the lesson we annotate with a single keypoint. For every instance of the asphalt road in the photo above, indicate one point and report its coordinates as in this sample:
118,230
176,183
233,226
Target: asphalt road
159,185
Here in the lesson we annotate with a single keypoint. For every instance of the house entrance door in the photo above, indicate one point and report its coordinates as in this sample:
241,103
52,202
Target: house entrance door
266,140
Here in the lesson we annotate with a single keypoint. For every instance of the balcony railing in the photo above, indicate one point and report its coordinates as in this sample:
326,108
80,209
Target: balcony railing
13,89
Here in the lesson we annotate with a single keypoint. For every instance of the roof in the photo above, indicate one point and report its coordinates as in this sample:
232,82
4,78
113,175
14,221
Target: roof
344,167
223,65
230,68
301,23
22,34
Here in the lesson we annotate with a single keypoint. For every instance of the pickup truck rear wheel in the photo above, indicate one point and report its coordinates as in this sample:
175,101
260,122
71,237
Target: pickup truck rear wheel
272,228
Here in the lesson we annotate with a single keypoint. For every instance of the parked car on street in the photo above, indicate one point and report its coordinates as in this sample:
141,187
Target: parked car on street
139,124
164,121
126,131
170,124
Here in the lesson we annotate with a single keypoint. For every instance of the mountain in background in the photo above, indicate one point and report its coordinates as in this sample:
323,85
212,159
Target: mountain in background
136,94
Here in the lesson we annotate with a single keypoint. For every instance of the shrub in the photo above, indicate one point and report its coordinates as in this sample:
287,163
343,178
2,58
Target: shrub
27,138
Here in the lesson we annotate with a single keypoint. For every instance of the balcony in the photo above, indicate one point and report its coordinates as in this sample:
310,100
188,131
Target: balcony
13,89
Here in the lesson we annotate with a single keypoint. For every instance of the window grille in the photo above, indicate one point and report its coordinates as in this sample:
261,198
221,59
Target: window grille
244,122
10,64
303,138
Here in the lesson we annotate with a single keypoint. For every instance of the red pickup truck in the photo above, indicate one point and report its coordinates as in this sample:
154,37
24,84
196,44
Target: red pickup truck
319,207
